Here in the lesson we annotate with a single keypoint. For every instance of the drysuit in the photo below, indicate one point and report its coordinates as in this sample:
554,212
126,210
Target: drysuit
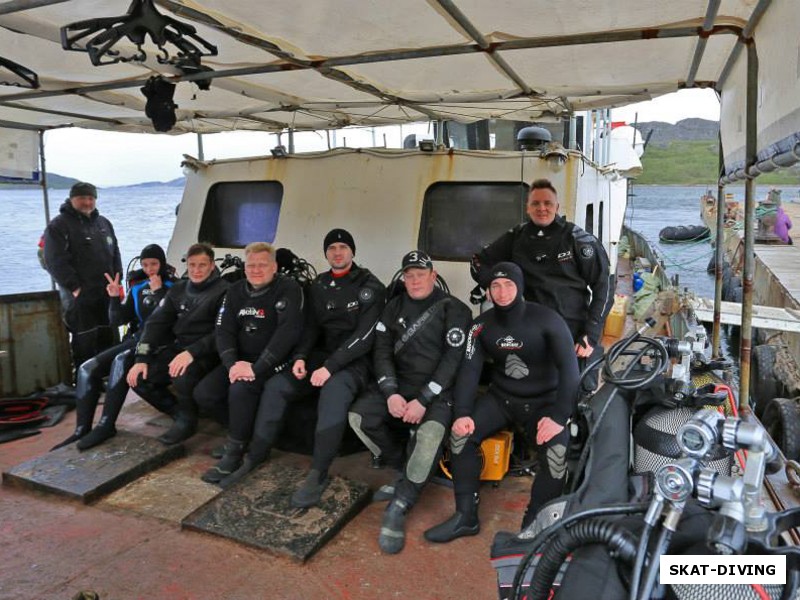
417,351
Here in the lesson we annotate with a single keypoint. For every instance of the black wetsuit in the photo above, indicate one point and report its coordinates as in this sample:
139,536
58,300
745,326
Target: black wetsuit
257,326
79,251
114,362
534,375
417,353
184,320
340,323
565,268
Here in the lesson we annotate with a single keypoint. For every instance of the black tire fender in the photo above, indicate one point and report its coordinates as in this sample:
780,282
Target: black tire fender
782,422
763,386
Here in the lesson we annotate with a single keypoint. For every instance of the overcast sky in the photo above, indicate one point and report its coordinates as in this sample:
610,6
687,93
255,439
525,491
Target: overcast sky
109,159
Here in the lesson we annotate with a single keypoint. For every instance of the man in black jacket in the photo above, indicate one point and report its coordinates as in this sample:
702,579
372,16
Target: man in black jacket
80,249
343,306
177,344
419,342
258,326
565,268
533,384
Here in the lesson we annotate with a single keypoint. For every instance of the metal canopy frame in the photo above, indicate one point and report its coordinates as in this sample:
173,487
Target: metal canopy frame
329,67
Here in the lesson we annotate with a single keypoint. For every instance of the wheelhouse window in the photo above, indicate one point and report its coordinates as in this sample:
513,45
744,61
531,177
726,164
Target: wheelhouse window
458,219
240,212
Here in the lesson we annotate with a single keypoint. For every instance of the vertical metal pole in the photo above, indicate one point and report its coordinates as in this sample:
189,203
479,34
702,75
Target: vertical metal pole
749,229
291,140
718,255
718,261
607,138
596,122
200,154
45,196
573,133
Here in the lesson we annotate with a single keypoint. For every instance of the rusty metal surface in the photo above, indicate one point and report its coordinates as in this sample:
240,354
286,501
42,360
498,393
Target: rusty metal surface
35,344
257,512
88,475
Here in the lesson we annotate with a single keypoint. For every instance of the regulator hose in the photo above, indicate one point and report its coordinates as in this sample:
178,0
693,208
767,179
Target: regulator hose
546,535
619,541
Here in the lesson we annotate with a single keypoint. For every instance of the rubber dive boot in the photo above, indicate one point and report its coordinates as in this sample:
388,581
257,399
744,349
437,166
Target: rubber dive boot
79,432
310,492
230,462
464,522
393,528
384,493
257,454
218,451
183,428
103,431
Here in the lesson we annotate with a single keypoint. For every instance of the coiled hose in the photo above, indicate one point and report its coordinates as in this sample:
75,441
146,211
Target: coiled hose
620,541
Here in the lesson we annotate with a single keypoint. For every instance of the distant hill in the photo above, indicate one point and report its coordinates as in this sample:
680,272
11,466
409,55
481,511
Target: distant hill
687,130
54,181
179,182
687,153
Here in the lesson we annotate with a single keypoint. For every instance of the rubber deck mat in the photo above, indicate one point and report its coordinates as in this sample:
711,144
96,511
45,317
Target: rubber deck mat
93,473
256,512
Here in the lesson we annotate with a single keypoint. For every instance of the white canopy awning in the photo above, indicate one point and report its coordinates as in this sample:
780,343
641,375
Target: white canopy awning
332,63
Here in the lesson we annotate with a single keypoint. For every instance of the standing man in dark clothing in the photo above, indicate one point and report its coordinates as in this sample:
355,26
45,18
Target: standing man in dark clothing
534,381
565,268
419,342
177,345
344,305
258,326
80,249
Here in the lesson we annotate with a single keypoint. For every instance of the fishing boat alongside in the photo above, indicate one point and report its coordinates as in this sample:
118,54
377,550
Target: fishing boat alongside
775,371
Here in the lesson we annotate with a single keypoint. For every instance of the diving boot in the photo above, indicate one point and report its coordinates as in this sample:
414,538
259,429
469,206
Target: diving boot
218,451
464,522
257,454
80,431
183,428
230,462
392,537
103,431
310,492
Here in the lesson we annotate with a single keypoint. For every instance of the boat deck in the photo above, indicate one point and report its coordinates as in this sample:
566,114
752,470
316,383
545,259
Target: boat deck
129,544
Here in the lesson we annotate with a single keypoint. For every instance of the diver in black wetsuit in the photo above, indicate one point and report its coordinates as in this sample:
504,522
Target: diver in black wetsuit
419,342
343,306
565,268
258,326
534,381
177,345
149,286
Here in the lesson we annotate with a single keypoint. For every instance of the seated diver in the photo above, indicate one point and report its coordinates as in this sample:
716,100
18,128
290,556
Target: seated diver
419,342
148,286
177,345
258,325
534,382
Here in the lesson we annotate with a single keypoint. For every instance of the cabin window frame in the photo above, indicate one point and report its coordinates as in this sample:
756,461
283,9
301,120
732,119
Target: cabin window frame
270,194
429,242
